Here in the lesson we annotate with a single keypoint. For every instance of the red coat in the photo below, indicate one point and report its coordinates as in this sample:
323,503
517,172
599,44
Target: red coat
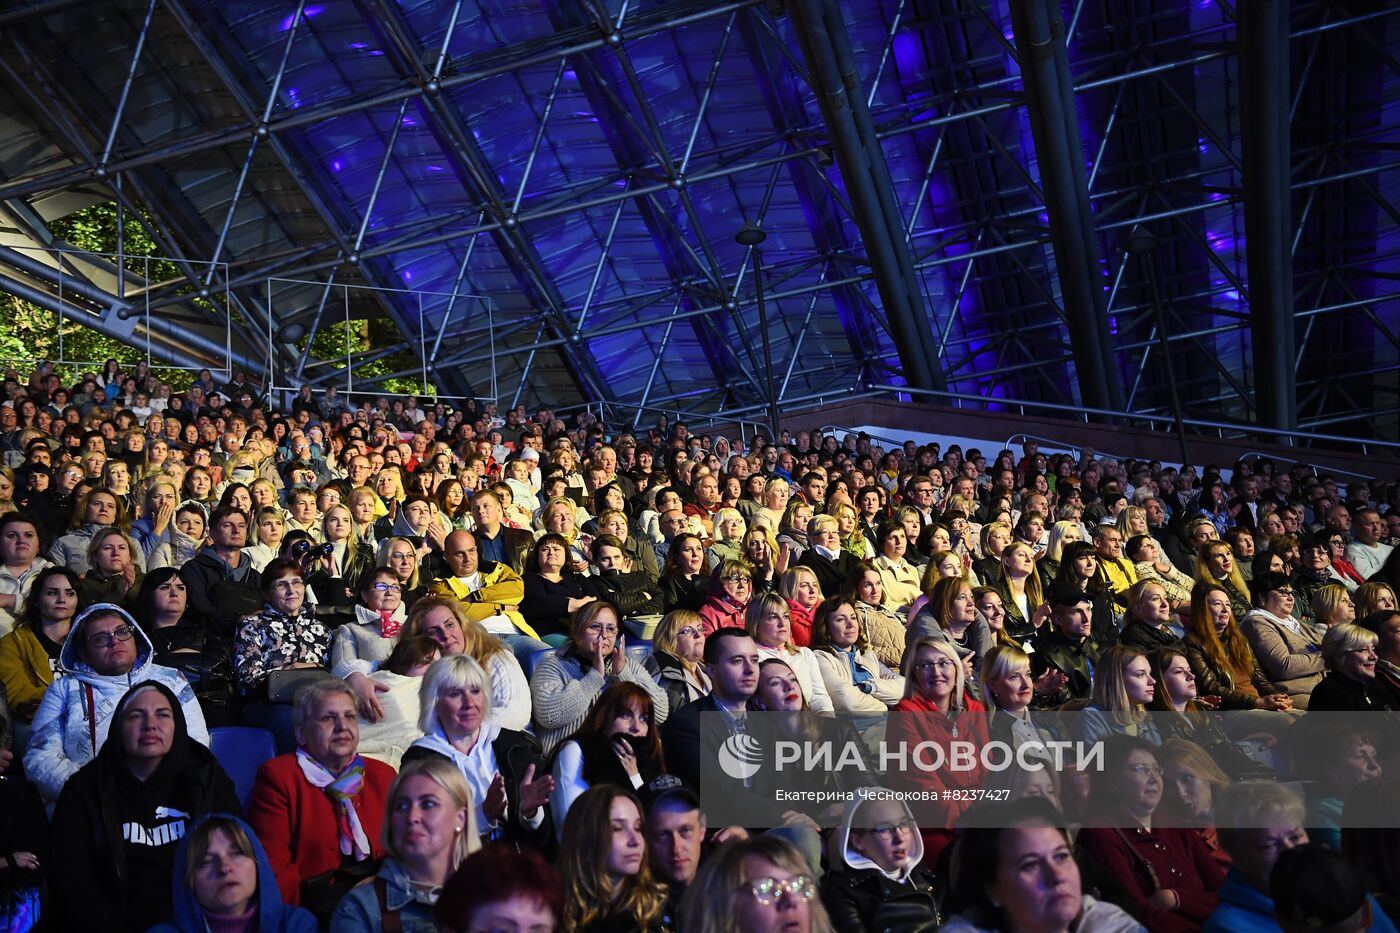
296,822
801,624
719,612
914,720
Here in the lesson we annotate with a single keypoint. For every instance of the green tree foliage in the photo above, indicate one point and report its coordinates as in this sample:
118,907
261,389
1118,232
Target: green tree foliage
30,333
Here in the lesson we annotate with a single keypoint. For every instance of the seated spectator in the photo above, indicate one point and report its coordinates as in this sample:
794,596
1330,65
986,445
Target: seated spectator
1152,564
510,791
272,646
884,628
221,876
120,816
1008,691
336,578
1315,888
876,882
1020,589
1220,656
103,655
429,832
489,593
1256,822
640,553
112,575
269,525
1123,690
1386,626
1343,756
769,624
683,580
1367,552
20,565
497,542
731,587
157,515
498,888
569,680
858,683
608,884
1149,618
756,883
443,620
803,592
401,556
319,811
223,588
728,543
1080,567
183,643
1193,786
951,615
1289,651
769,562
898,577
1330,604
388,737
358,648
677,656
825,557
618,744
184,538
98,509
29,655
1216,565
1351,684
619,581
1179,892
1374,596
1015,870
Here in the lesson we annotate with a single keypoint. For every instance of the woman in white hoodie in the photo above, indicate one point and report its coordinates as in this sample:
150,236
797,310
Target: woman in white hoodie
876,882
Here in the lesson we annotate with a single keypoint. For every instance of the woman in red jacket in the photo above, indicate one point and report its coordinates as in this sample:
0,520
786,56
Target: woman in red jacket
731,585
321,807
936,713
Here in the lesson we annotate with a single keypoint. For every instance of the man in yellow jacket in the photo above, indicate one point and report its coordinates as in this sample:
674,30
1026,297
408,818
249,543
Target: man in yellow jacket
490,593
1118,570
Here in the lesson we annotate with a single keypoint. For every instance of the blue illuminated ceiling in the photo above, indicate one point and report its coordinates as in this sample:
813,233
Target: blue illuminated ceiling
553,187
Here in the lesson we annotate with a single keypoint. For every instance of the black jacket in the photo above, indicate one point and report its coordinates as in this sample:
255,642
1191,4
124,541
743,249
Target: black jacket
119,834
1138,634
831,574
867,899
1076,661
670,676
679,593
632,593
217,600
1339,693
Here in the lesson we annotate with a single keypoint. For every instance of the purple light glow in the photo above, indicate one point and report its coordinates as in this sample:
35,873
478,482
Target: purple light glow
337,165
308,12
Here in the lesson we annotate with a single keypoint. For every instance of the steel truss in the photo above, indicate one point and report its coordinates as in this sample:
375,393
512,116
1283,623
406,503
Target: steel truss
947,198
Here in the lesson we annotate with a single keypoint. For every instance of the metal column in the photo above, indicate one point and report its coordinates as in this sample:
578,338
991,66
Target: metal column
856,146
1044,59
1265,145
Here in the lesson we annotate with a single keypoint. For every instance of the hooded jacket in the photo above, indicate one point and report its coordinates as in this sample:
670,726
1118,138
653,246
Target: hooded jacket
861,895
72,719
273,916
119,832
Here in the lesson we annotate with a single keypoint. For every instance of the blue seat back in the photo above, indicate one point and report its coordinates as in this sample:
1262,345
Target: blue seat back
241,750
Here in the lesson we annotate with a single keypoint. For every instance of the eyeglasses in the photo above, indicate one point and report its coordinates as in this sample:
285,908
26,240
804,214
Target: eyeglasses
767,890
923,667
1287,594
690,631
107,639
736,578
286,586
1143,770
597,628
887,831
388,587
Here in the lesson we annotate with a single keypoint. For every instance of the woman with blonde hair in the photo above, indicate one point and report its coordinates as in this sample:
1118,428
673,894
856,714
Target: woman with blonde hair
608,881
1332,605
755,884
1123,689
429,830
768,620
728,543
1216,565
1132,521
760,548
442,619
1374,596
773,512
853,540
795,527
677,655
1192,784
1020,589
1062,534
366,509
803,592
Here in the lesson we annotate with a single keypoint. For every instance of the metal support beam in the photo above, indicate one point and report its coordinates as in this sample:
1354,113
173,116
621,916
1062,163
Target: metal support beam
826,47
1264,139
1039,30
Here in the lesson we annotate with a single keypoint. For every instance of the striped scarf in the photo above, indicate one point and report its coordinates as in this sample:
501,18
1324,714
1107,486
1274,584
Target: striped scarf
342,789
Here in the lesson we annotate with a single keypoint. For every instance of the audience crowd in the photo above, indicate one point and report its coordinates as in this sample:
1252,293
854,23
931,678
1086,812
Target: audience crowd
479,645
